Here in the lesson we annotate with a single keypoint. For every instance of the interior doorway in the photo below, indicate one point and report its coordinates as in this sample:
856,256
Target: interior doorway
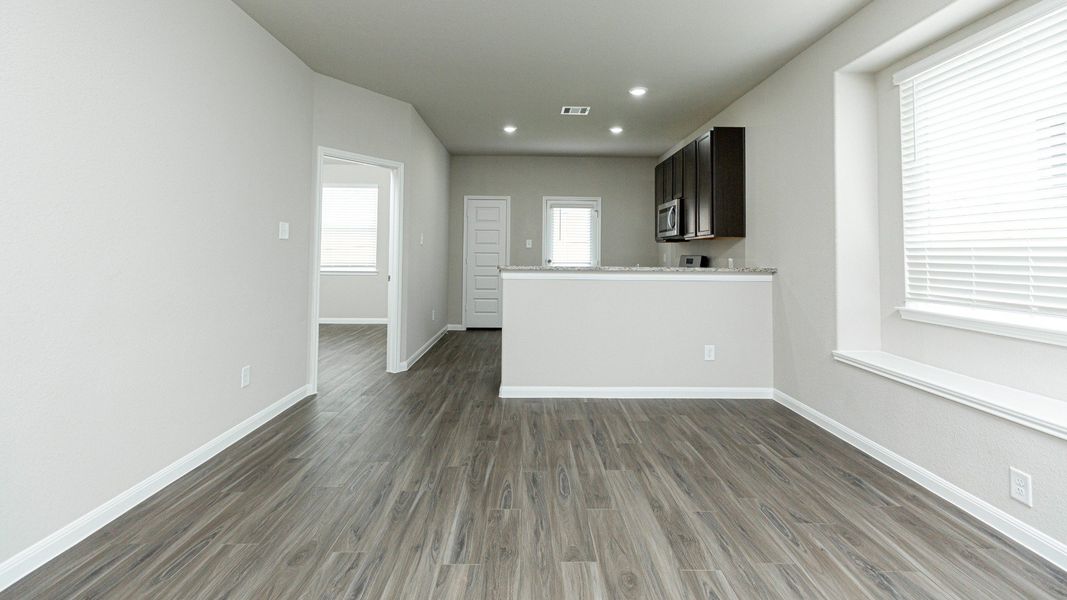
356,249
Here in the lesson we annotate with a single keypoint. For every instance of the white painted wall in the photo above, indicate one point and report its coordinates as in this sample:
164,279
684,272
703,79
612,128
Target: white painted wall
625,186
139,283
359,295
350,118
791,225
567,332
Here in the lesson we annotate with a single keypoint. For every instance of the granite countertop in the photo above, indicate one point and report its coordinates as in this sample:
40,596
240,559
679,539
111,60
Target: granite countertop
759,270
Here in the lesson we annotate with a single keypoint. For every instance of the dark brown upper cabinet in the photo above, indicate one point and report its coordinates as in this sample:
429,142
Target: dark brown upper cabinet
677,175
708,175
666,190
728,182
657,198
703,198
689,190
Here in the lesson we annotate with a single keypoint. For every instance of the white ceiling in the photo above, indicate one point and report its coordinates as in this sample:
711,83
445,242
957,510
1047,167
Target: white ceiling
471,66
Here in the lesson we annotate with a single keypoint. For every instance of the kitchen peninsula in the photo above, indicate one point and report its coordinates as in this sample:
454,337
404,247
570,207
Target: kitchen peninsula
648,332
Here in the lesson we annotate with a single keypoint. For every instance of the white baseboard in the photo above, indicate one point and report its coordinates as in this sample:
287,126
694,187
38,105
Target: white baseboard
551,391
456,327
414,358
31,558
1048,547
353,321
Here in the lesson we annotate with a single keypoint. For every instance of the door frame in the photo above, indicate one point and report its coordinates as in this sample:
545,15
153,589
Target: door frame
507,246
394,313
594,201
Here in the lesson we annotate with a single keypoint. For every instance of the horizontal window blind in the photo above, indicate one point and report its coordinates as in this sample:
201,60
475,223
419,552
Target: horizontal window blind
984,152
572,235
349,228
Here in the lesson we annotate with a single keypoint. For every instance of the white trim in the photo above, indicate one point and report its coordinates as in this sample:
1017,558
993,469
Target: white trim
1034,328
353,320
507,244
701,276
580,200
1035,411
457,327
978,39
558,391
394,307
1044,545
349,271
410,362
31,558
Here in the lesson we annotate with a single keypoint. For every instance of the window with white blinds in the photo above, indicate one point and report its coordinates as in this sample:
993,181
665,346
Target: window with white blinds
984,153
572,232
349,228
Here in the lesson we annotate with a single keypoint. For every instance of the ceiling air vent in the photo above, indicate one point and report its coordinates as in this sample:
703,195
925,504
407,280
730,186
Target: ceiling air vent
574,111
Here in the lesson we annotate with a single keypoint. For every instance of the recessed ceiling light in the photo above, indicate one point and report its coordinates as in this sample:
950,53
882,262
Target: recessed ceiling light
638,91
616,130
510,129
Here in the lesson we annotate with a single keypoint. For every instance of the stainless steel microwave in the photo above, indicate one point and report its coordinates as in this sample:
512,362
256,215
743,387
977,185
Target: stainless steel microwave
669,220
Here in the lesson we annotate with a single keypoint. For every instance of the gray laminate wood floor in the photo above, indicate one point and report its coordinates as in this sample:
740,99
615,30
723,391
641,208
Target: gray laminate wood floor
425,484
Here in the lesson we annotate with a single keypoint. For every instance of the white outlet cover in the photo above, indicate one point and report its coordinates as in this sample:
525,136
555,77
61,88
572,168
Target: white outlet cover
283,230
1022,488
529,243
246,375
709,352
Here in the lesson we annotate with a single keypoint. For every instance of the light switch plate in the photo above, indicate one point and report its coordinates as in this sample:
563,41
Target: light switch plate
529,243
246,375
709,352
283,230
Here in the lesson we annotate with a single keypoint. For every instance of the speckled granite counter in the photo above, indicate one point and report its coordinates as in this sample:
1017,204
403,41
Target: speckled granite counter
512,272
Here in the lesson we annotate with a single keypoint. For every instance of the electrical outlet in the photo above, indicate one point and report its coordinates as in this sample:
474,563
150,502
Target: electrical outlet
283,230
529,243
246,375
1022,488
709,352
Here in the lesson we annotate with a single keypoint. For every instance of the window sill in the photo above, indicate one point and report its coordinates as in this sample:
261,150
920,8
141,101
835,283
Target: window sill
353,271
1035,411
1044,329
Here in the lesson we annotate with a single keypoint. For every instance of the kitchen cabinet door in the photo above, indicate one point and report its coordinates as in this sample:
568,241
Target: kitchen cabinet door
657,198
667,191
704,214
677,162
728,181
689,190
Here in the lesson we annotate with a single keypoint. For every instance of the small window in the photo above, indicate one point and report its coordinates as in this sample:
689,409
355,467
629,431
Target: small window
572,232
984,157
349,228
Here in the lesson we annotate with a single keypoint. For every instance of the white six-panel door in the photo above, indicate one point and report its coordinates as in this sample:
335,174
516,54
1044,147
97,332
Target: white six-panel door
485,249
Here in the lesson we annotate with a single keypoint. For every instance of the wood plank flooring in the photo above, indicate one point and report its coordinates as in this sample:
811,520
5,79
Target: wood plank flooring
425,484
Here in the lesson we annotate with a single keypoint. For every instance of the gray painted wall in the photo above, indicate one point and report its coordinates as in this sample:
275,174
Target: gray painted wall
357,120
151,272
791,225
139,283
624,185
